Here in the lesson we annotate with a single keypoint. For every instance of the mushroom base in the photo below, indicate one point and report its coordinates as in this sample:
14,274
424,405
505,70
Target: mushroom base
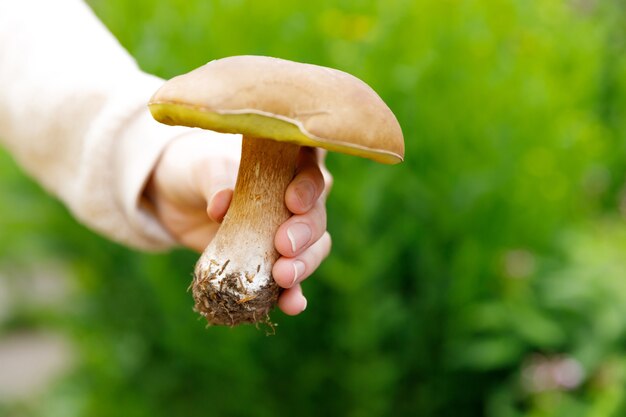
223,304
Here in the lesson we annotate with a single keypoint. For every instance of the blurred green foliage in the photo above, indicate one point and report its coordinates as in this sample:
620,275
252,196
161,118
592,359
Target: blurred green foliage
486,275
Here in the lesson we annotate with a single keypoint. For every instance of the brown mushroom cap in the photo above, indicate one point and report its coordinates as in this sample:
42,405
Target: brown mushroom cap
272,98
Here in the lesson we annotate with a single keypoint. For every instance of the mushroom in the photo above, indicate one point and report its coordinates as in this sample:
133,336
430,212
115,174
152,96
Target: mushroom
278,106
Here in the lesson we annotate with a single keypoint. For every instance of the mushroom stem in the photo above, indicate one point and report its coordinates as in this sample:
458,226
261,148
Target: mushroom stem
233,278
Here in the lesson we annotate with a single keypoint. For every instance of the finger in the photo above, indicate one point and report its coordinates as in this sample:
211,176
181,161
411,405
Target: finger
307,185
291,301
288,272
301,231
199,237
328,178
218,204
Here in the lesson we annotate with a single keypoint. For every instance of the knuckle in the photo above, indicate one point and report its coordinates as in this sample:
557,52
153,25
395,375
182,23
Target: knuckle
320,217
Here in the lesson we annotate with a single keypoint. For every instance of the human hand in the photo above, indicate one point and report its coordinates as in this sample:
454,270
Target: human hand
191,189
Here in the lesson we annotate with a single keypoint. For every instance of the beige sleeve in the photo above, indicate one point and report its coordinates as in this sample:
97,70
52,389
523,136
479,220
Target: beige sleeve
73,114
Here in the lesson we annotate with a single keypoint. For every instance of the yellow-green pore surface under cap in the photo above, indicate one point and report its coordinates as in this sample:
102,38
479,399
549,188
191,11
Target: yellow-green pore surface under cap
286,101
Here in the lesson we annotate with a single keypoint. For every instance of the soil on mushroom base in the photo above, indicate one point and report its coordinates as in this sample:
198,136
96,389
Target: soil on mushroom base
226,304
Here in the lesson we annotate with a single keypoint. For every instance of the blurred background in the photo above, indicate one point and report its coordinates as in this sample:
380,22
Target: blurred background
484,276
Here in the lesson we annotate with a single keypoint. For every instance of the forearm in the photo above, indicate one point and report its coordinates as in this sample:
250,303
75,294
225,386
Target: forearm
73,114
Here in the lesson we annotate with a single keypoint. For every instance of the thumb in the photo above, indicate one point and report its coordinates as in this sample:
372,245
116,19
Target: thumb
218,204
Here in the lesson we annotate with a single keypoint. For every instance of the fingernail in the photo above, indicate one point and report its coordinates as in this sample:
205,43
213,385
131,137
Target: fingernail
305,304
306,193
299,235
298,270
